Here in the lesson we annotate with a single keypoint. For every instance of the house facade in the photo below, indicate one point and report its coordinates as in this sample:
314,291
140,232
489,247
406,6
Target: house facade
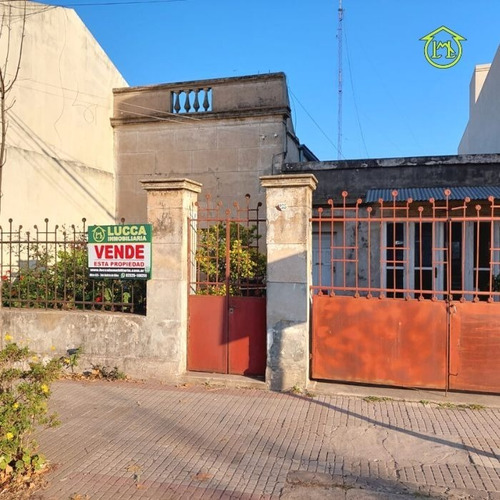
416,198
224,133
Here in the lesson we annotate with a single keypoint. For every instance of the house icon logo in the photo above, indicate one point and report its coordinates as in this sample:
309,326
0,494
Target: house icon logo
99,234
443,47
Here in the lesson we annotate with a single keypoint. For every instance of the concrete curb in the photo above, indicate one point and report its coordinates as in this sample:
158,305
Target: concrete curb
304,485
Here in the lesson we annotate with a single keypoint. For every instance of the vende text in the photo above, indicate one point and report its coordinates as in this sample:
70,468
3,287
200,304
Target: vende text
119,251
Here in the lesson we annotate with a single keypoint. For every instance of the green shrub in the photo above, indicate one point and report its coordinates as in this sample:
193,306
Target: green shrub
58,279
247,265
24,390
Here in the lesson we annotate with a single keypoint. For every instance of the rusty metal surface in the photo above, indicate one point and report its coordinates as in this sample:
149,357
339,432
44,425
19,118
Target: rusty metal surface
227,337
227,305
475,347
225,249
437,249
247,335
380,341
399,282
207,342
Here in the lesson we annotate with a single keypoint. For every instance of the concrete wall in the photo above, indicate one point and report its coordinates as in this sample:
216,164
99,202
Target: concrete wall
108,339
482,134
358,176
246,133
289,252
60,142
153,346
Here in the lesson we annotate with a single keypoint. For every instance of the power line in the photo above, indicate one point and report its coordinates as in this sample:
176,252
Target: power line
354,95
119,2
173,117
316,123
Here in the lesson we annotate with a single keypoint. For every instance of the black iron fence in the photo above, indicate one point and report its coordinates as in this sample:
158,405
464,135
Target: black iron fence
46,268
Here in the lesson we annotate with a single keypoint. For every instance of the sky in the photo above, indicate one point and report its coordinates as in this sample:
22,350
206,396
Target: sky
394,102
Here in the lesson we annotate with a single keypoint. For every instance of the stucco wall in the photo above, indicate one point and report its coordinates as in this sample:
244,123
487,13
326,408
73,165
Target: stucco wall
227,157
246,134
482,134
124,340
60,142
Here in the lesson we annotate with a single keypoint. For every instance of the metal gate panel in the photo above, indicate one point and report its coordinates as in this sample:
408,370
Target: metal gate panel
380,341
207,345
475,346
247,335
227,305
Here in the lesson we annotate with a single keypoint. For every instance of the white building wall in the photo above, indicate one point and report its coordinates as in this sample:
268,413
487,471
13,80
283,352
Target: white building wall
60,141
482,134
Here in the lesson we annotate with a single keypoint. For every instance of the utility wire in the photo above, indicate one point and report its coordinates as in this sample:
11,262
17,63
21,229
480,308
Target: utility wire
107,4
174,117
315,122
354,95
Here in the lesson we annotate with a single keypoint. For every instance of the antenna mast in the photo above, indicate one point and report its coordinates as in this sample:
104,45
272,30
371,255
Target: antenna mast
339,115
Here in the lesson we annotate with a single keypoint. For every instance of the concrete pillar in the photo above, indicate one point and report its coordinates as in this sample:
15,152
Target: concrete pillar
169,203
289,257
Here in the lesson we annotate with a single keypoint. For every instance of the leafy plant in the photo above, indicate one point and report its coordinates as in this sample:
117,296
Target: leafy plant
247,266
53,279
24,390
496,283
71,360
104,372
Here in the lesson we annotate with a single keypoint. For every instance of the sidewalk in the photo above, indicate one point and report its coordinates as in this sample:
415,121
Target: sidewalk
122,441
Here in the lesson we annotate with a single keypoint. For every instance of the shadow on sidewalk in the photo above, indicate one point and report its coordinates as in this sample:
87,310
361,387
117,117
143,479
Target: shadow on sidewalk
408,432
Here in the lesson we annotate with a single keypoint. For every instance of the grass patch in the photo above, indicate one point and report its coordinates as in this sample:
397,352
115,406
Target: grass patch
453,406
376,399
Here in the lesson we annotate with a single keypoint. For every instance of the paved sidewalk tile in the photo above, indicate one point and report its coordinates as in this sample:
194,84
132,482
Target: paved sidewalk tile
148,441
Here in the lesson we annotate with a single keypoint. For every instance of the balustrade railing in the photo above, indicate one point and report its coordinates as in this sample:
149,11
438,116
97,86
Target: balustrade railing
197,100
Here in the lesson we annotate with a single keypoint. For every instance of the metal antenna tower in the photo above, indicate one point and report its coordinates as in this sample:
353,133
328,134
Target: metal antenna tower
339,115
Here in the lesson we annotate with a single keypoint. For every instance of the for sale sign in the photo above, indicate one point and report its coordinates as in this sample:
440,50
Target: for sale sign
121,251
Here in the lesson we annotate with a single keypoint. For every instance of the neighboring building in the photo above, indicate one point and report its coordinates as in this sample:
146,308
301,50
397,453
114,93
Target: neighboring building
407,253
482,134
60,141
361,178
224,133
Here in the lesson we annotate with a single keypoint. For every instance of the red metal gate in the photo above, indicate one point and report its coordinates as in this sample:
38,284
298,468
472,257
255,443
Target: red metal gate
227,304
408,294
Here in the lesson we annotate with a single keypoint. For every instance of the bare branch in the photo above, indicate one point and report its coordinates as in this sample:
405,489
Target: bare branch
2,24
7,84
20,54
8,20
10,106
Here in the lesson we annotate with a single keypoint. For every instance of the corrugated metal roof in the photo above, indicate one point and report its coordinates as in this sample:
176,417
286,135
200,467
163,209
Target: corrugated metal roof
423,194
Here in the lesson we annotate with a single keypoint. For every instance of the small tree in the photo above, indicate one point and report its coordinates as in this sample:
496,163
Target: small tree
247,266
12,13
24,390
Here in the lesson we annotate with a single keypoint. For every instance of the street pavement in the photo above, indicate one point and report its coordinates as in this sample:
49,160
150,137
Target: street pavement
128,440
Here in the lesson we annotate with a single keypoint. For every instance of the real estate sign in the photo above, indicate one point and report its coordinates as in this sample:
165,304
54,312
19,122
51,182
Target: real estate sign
122,251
